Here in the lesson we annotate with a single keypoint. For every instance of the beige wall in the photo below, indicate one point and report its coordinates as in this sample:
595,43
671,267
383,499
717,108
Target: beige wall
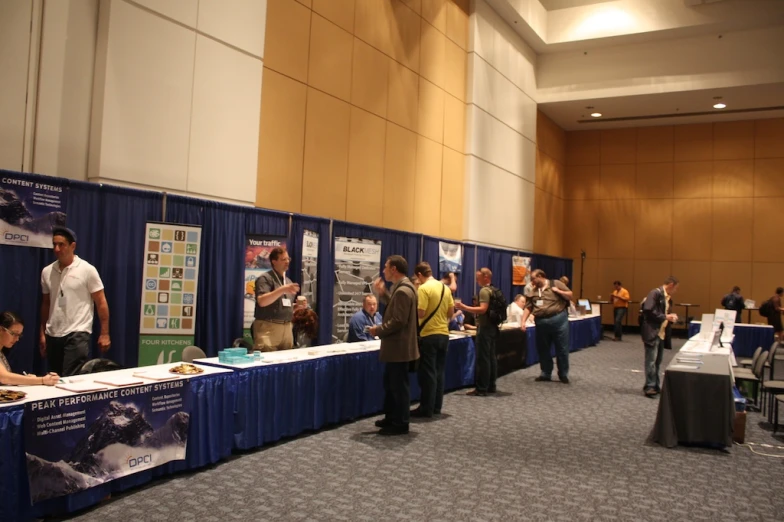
550,174
363,112
702,202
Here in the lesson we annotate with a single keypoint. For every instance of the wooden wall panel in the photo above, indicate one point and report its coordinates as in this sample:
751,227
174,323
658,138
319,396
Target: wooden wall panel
618,181
725,275
693,142
583,148
330,58
452,196
619,146
769,138
654,180
733,178
325,171
399,178
767,230
655,144
367,144
732,229
653,229
692,229
287,39
693,179
733,140
427,195
281,143
694,287
617,220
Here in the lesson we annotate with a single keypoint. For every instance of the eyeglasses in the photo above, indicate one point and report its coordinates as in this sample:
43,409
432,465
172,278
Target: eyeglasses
15,335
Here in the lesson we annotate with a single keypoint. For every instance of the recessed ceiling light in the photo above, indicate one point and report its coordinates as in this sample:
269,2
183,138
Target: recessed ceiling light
719,105
596,114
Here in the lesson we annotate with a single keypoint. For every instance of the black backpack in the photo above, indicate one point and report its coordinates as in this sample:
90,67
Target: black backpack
496,309
766,309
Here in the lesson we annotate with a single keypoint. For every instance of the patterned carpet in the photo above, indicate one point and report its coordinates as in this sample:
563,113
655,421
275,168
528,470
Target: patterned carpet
539,451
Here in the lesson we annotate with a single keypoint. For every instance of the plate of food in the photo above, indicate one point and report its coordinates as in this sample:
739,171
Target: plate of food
186,369
11,395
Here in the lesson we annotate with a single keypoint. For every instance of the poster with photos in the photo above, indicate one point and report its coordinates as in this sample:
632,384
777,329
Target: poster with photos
169,291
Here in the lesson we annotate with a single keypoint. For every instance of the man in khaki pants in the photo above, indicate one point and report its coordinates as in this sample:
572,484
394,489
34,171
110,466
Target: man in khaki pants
275,295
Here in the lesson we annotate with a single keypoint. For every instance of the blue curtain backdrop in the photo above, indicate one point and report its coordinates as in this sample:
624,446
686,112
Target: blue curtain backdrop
110,222
219,308
119,251
325,286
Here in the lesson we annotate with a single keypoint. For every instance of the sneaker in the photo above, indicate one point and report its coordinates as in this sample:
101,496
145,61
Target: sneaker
393,430
476,393
420,413
543,378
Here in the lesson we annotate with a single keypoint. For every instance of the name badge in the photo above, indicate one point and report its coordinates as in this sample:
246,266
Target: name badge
286,302
539,302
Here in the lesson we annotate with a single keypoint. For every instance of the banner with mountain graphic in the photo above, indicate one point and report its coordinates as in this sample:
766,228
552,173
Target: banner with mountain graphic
29,210
79,441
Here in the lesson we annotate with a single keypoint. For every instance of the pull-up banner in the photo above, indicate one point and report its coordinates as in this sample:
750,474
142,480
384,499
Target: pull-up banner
357,264
169,292
310,242
257,262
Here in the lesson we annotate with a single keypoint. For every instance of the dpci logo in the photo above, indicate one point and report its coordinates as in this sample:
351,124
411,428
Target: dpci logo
135,462
16,238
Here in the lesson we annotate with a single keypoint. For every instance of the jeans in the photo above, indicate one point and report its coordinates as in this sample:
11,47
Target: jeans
653,359
486,363
432,367
620,313
67,354
397,394
553,330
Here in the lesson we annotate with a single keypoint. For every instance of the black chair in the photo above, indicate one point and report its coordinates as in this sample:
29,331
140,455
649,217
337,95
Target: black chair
98,366
241,342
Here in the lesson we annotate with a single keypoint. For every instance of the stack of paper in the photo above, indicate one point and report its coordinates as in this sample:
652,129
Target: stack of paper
119,380
156,375
81,386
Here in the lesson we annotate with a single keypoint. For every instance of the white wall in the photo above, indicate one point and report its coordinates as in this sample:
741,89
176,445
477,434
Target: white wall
65,85
500,133
15,18
177,95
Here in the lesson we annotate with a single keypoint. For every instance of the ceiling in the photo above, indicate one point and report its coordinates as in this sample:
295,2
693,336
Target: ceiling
674,108
660,61
553,5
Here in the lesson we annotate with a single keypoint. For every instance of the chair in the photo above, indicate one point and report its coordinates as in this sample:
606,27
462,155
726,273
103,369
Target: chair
192,352
746,362
755,376
97,366
242,342
779,401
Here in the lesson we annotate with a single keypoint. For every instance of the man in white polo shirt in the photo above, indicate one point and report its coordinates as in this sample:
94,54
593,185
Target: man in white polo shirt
70,286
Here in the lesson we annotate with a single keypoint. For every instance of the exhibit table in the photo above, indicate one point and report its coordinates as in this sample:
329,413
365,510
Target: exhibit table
292,391
212,398
583,332
747,337
511,349
697,404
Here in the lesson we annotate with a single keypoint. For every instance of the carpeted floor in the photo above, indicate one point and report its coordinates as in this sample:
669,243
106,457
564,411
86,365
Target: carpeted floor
539,451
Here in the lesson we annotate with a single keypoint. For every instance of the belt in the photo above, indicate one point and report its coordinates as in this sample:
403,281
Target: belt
274,321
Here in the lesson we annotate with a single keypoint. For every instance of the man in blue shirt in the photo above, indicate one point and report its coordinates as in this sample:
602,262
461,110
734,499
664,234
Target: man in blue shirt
366,317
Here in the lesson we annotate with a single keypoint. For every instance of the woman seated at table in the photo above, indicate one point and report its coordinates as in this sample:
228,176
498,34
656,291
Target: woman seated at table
11,327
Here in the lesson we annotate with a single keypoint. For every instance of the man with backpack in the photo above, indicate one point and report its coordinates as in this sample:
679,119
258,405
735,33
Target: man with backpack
771,310
734,301
490,313
656,317
549,303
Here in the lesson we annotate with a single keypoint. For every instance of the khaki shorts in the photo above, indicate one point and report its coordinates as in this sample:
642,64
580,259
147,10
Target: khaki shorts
270,337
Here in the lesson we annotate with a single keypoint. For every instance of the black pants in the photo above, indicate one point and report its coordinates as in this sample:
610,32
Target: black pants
432,367
397,394
67,354
486,362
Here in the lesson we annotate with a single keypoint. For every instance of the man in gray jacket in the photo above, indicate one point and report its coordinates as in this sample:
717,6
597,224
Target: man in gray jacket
656,316
398,334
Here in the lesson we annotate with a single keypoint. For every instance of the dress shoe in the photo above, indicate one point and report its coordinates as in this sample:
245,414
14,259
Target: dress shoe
564,379
420,414
650,393
393,430
492,390
382,423
542,378
476,393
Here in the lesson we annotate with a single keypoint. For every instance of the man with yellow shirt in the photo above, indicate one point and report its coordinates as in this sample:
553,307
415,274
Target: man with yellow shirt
435,307
656,316
620,301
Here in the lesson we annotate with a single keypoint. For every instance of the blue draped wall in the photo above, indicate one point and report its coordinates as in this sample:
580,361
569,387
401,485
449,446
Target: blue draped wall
110,223
324,288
